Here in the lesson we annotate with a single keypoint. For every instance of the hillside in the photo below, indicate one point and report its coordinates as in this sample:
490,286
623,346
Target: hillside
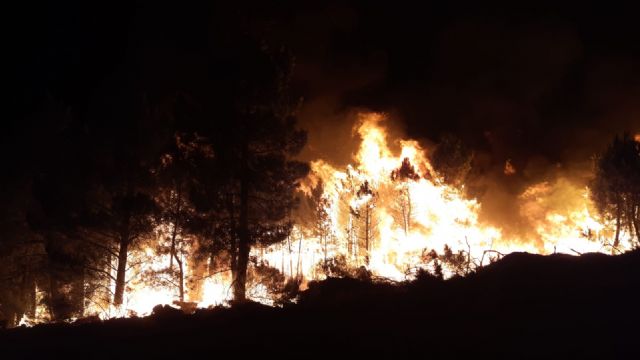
522,306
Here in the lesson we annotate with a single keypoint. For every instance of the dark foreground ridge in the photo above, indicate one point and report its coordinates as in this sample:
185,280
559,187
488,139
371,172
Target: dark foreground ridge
524,306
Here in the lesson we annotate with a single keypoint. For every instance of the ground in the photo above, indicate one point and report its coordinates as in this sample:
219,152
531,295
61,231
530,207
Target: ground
524,306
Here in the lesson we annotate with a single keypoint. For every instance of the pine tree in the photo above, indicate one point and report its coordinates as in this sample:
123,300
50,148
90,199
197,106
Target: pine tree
615,188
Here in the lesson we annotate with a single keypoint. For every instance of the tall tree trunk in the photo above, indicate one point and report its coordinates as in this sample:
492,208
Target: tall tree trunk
240,280
616,241
54,296
123,251
408,211
405,205
404,221
354,242
109,267
176,219
29,292
282,258
350,237
367,222
324,237
122,267
298,274
78,295
233,248
181,278
290,256
635,220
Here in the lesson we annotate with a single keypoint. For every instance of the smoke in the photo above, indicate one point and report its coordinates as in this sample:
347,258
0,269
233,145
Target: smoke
544,93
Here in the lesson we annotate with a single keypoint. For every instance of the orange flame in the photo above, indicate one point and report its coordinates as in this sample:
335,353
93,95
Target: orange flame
384,212
389,228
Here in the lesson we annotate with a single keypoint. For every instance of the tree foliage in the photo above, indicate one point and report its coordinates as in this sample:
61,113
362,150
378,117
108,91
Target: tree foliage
452,160
615,188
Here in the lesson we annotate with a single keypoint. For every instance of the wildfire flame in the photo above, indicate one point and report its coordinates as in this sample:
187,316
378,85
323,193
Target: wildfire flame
385,213
389,228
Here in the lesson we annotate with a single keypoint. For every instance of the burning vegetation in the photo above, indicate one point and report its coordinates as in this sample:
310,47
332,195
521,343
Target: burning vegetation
321,178
198,194
176,237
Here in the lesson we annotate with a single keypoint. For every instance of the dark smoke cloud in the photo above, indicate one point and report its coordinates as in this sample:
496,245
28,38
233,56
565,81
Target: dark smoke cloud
520,87
546,88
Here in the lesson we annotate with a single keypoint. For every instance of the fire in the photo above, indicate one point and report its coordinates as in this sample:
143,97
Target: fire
385,214
564,218
217,291
412,215
386,224
637,137
39,315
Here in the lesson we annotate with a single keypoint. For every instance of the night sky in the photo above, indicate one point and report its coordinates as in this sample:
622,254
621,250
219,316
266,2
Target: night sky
544,86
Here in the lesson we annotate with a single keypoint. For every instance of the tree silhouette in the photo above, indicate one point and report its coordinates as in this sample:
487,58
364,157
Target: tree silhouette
120,200
321,220
54,217
404,175
246,190
615,188
175,173
365,214
452,160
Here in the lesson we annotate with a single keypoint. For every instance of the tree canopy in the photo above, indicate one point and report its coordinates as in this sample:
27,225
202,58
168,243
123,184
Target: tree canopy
615,188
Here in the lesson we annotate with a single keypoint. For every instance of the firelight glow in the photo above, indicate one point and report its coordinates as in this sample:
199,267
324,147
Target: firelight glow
387,225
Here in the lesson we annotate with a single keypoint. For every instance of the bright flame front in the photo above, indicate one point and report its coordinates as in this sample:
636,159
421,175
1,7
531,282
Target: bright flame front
385,214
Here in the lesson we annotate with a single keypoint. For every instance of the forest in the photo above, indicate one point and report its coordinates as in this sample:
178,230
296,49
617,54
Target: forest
209,175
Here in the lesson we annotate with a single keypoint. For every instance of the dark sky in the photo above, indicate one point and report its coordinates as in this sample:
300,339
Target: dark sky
545,86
